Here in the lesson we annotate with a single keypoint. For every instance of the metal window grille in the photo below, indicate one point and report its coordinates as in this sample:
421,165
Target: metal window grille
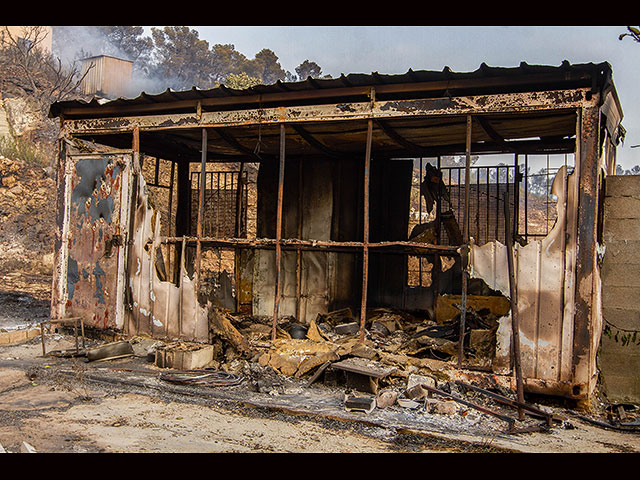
220,204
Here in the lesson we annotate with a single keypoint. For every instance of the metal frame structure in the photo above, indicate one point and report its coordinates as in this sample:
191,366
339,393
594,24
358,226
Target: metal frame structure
418,114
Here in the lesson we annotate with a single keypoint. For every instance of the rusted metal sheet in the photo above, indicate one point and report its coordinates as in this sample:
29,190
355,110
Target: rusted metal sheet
95,237
471,105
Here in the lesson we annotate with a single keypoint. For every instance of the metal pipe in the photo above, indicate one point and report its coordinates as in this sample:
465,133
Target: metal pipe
276,300
515,327
465,247
203,179
299,252
314,244
365,243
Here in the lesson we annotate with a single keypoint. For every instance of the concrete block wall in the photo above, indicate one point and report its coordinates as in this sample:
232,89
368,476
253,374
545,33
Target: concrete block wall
619,354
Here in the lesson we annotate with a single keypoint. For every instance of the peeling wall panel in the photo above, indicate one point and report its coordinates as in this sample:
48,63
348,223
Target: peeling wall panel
160,308
540,277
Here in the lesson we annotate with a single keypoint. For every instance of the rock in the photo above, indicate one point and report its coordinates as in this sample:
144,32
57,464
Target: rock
9,181
441,407
418,379
386,398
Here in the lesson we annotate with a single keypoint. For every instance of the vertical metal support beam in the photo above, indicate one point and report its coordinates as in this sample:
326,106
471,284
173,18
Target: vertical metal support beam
276,300
587,166
135,174
203,179
526,197
299,251
183,213
465,247
515,325
60,246
365,241
237,232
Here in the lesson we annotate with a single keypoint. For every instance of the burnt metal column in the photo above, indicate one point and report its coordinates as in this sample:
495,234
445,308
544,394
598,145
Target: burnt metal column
586,266
365,242
465,248
203,179
276,300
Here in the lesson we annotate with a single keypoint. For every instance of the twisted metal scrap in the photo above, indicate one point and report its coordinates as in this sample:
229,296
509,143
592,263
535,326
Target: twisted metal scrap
202,377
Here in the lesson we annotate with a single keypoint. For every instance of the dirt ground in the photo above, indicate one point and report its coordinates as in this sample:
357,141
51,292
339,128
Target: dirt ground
68,405
63,405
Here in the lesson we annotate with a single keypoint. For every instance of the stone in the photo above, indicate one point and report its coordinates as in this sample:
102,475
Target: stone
386,398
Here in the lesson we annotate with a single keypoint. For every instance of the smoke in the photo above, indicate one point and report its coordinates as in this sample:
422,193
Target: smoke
72,44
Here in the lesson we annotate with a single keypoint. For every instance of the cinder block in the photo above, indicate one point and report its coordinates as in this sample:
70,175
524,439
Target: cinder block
629,319
626,252
18,336
621,297
623,186
620,274
622,207
620,229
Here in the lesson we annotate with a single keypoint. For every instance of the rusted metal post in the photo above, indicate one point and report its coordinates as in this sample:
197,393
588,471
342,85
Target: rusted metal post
203,179
465,247
365,246
276,300
237,232
299,251
515,327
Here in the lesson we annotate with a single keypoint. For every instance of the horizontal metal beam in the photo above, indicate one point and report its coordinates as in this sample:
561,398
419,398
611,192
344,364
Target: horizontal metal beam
312,244
472,105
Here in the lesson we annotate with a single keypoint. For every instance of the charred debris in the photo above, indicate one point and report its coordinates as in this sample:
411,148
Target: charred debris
386,233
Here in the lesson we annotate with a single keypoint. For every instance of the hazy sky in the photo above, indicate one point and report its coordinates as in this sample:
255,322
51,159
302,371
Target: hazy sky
395,49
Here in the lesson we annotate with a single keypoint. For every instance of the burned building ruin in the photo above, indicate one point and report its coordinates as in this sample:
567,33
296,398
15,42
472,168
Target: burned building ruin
363,192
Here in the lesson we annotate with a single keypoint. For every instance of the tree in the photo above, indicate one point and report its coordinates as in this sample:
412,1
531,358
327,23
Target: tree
632,32
265,67
308,69
226,60
240,81
31,68
129,43
182,59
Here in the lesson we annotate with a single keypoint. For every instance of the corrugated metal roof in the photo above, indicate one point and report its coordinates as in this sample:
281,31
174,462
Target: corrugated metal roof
490,80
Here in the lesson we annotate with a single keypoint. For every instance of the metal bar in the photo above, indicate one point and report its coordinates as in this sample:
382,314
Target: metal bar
463,311
313,244
181,291
203,169
508,401
526,198
173,170
276,300
480,408
299,252
515,327
365,247
419,218
236,255
488,206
